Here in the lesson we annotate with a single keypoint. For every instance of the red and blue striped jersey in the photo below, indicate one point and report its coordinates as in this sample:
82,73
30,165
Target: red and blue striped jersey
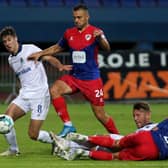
83,47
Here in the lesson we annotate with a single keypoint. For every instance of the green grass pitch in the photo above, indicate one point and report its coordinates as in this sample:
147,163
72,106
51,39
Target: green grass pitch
37,155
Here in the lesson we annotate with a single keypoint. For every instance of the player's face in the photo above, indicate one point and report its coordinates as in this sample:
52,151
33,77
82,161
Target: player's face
141,117
81,18
10,43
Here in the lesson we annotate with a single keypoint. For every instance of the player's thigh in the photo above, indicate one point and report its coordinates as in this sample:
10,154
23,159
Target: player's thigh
17,108
93,92
135,148
39,111
59,87
39,108
141,152
129,154
134,153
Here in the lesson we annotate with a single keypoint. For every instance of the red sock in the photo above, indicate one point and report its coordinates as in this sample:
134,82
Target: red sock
101,155
61,108
110,126
102,140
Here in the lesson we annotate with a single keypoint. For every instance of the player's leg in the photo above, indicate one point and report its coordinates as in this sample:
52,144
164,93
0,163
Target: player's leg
39,113
138,146
101,155
93,91
131,147
104,118
14,110
13,149
36,134
101,140
59,88
77,153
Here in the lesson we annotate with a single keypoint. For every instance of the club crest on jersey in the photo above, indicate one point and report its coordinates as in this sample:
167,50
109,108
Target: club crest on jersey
88,37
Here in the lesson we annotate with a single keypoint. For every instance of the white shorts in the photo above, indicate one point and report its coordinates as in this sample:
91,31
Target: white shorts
38,107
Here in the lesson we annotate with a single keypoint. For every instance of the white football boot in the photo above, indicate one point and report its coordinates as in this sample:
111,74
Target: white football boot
10,153
72,154
61,143
76,137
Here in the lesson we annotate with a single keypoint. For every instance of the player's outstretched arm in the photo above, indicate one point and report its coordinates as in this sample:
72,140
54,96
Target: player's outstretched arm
56,63
48,51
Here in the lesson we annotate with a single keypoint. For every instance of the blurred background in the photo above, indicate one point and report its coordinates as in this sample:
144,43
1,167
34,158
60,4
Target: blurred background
136,67
125,22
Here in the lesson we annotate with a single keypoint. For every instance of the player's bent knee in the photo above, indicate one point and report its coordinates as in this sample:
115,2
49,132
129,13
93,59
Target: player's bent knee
51,91
54,92
33,135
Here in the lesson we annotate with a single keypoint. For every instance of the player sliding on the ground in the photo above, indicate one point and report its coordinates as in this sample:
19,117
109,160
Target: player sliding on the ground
149,142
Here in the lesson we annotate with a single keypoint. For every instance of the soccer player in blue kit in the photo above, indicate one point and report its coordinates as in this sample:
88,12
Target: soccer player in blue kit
83,41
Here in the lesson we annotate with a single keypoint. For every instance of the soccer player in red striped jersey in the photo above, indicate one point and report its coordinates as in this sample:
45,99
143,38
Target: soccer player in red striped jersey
83,41
149,142
142,145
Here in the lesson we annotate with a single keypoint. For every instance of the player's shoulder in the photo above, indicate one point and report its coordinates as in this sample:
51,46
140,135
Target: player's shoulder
147,127
30,47
163,123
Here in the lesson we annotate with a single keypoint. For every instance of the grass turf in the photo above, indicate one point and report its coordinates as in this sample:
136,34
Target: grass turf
37,155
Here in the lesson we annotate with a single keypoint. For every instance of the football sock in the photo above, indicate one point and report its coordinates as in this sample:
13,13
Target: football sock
102,140
110,126
69,123
61,108
101,155
12,141
44,137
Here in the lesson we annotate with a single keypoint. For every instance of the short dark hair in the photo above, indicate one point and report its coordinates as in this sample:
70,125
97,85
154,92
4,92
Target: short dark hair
80,6
8,30
142,105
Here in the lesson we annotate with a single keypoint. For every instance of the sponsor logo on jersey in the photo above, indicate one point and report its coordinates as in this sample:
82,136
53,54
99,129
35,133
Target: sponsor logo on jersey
23,71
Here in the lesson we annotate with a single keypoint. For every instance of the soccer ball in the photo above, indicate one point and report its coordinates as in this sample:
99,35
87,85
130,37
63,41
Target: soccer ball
6,124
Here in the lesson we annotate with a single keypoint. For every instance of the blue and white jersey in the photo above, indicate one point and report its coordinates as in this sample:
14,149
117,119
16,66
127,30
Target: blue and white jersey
32,76
160,136
147,127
